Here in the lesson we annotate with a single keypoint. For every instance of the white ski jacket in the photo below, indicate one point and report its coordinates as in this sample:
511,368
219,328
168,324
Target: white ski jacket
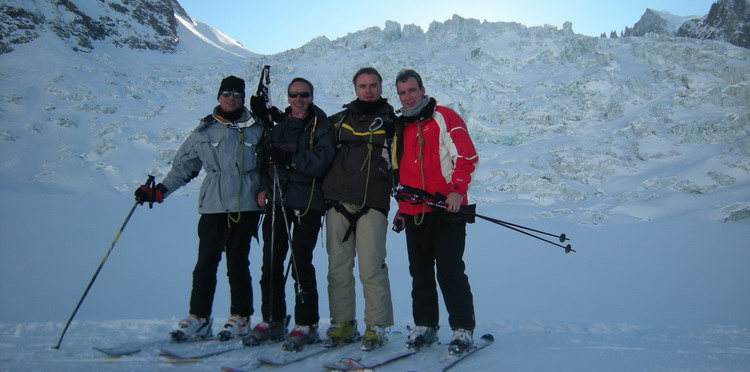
227,152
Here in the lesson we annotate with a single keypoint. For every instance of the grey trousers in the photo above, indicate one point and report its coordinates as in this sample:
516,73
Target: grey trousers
367,243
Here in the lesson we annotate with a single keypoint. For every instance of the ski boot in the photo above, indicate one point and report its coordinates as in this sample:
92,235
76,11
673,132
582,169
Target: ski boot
300,336
420,336
235,326
374,337
341,332
266,331
192,326
462,341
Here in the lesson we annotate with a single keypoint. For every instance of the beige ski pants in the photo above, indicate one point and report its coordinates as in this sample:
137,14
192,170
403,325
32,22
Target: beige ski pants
368,244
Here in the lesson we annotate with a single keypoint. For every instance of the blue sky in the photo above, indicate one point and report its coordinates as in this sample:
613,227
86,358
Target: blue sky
269,27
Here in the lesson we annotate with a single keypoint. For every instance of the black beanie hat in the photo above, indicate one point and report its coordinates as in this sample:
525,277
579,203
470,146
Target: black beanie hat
230,83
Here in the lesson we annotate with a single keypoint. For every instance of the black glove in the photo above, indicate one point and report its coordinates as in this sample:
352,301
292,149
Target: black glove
398,223
258,106
277,115
277,156
147,194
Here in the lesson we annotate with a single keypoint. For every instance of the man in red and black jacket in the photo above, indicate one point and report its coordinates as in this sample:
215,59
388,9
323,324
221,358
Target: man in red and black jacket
435,154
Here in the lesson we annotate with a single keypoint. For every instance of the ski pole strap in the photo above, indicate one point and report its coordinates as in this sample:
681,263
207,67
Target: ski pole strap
413,195
468,212
351,217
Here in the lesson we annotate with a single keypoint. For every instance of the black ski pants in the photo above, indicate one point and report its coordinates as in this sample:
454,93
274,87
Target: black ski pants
217,234
304,230
438,242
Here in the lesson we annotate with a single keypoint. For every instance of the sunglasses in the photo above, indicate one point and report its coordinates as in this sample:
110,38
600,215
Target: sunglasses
403,75
234,94
303,95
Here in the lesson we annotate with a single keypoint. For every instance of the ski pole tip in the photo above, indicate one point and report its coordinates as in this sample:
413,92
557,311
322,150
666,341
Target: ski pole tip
569,248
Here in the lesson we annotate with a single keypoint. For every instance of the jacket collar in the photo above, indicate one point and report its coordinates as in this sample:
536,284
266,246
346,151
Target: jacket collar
245,120
426,112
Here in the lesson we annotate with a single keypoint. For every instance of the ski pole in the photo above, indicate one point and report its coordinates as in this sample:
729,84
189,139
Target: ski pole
568,248
562,236
149,181
292,260
263,91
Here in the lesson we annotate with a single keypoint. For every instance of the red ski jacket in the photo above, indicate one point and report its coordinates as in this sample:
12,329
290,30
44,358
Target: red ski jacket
437,155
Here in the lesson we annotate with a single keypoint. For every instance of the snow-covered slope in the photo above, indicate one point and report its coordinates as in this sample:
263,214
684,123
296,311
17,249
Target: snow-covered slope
195,36
519,347
568,123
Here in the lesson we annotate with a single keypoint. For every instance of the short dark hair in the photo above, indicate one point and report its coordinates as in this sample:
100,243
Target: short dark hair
405,74
367,70
309,84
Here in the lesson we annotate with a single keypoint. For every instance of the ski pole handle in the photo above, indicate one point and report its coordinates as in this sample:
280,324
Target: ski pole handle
150,183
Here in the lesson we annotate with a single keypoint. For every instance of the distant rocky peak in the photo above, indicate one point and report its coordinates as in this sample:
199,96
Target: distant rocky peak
728,20
142,24
657,22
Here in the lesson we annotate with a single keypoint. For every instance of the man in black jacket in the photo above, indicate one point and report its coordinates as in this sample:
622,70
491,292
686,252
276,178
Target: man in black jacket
299,155
358,188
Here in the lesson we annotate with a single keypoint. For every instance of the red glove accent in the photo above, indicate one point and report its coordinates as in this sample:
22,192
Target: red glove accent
146,194
158,197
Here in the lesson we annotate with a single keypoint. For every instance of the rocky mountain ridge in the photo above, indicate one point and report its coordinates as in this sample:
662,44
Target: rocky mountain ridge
145,24
727,21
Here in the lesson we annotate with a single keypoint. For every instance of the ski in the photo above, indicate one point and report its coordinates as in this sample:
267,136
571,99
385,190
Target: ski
349,364
284,358
254,364
247,367
451,360
131,348
233,369
166,353
387,353
441,363
118,351
222,348
293,357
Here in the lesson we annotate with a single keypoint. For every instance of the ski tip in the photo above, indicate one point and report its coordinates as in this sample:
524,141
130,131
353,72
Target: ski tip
488,337
117,353
352,363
